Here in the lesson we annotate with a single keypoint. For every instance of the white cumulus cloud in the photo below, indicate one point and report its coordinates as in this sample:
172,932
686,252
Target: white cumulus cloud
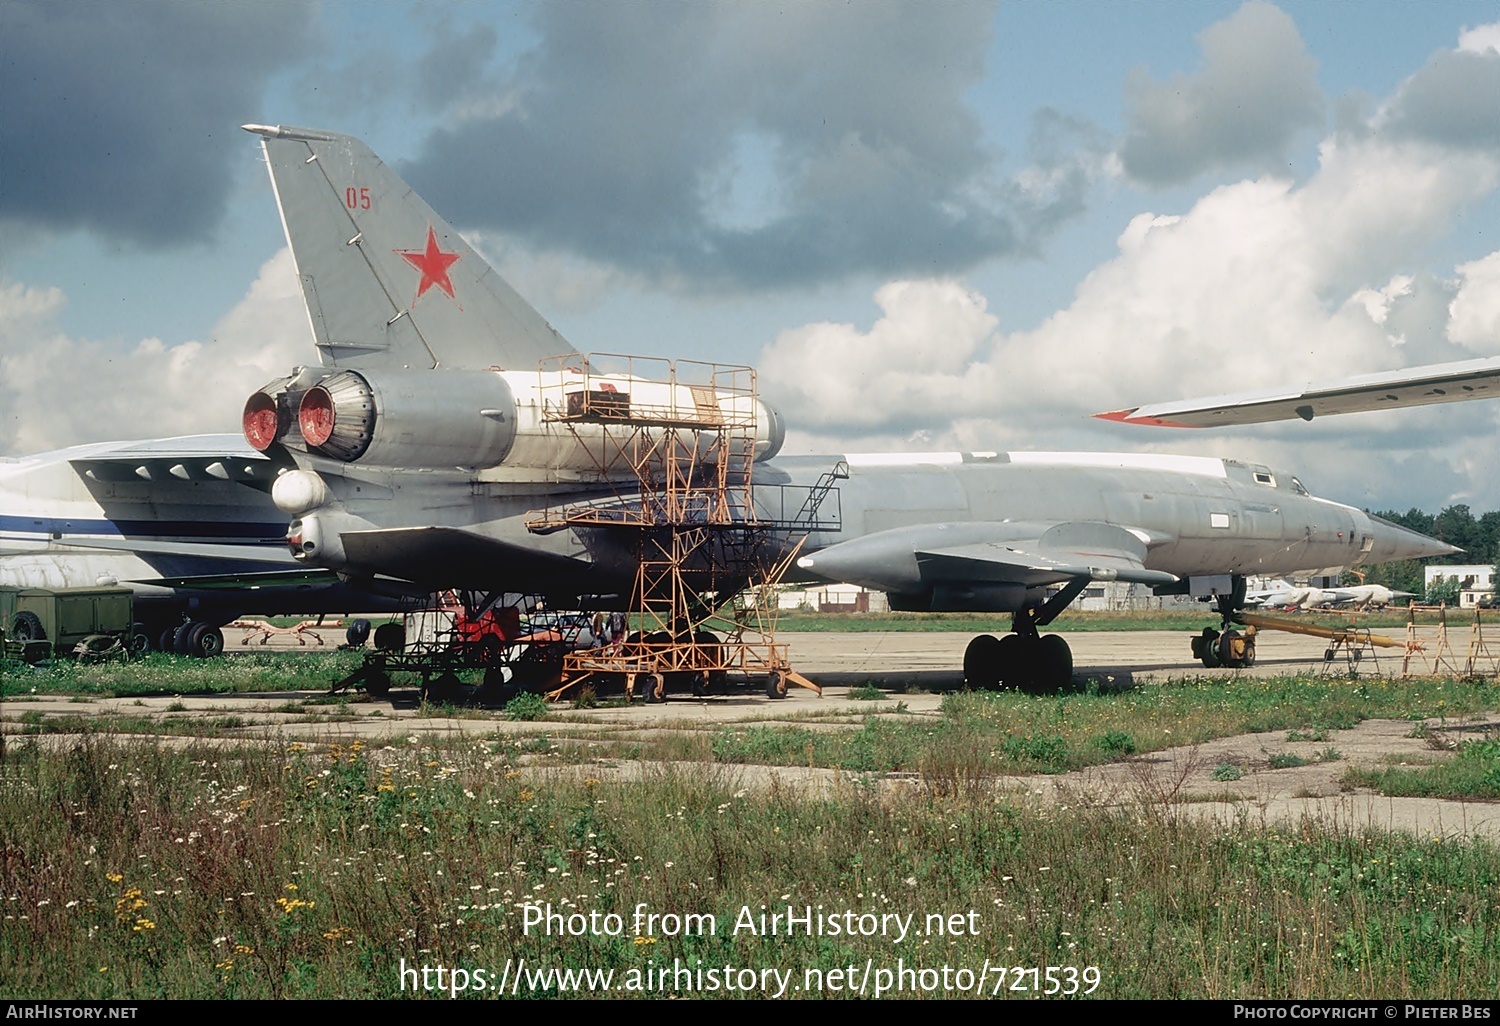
57,390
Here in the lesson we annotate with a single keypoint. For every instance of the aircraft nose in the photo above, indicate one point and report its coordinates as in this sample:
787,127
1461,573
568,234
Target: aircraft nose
1393,542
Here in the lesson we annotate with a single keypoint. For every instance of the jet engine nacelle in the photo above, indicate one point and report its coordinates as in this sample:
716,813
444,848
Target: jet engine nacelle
485,419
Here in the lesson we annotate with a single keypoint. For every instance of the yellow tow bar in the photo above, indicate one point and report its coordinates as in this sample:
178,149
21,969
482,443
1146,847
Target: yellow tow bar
1343,635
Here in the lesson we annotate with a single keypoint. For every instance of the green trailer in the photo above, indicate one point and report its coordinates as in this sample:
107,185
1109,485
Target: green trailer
89,623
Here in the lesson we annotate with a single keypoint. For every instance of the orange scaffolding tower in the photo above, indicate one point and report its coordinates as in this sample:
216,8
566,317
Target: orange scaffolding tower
677,442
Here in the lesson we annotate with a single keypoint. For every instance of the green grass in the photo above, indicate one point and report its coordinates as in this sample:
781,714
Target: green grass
33,723
1008,732
1474,772
527,706
183,675
288,872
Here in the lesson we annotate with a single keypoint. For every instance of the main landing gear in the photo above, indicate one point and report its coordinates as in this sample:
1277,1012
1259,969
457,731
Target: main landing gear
1229,646
1034,663
1027,659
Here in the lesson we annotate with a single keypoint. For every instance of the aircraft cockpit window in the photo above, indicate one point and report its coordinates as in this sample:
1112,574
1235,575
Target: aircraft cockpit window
1265,477
1299,488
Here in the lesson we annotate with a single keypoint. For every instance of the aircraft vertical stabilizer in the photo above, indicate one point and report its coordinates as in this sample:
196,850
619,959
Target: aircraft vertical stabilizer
388,283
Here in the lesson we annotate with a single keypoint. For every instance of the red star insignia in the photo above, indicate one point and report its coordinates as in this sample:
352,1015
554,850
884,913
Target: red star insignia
433,263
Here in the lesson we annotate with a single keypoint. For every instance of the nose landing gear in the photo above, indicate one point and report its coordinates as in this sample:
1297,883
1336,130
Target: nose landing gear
1229,646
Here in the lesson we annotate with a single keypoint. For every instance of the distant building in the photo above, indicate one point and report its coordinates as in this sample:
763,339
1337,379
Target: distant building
1114,596
1475,582
834,598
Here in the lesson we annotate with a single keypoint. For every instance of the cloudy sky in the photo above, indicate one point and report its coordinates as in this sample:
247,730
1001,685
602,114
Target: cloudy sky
945,225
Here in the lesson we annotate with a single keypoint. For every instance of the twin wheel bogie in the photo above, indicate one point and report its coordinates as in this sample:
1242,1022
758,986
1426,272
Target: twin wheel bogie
1037,664
1230,648
191,638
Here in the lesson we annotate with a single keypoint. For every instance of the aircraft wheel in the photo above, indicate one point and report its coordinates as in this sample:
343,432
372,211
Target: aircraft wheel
182,637
27,626
1232,649
1016,661
205,641
164,640
982,668
140,640
1054,661
1206,648
776,685
390,637
357,633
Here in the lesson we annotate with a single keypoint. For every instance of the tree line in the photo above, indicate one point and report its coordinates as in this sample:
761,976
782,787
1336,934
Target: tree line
1479,537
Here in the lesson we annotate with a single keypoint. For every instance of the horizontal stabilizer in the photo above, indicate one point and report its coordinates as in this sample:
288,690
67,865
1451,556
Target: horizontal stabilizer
388,283
1417,386
448,557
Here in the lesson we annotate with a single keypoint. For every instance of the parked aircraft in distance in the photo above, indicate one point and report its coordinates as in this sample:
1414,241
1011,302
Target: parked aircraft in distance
188,523
1286,595
1415,386
420,447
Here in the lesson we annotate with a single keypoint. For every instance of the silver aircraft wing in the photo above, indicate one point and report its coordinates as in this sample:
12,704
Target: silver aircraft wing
157,462
984,555
1416,386
388,283
1098,552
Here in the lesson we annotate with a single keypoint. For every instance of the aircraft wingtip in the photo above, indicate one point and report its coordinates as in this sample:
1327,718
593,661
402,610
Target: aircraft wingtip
1130,417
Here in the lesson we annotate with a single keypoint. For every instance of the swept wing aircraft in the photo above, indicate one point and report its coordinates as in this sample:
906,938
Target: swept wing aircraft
420,448
1288,595
1390,390
188,523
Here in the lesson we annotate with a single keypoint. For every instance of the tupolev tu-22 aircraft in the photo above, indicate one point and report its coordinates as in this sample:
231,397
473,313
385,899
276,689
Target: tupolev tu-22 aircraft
419,448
